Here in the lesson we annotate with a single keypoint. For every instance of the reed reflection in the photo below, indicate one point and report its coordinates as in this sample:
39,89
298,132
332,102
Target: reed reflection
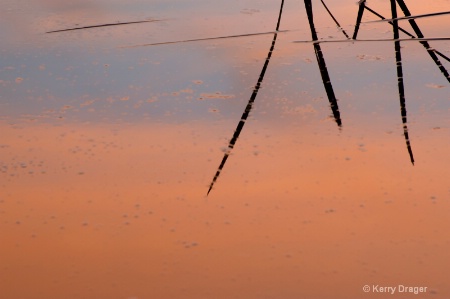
326,80
335,20
250,103
411,19
103,25
322,66
401,87
425,44
323,72
398,57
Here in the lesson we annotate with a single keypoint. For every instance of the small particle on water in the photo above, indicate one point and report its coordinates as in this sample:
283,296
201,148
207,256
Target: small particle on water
189,245
19,80
431,85
249,11
216,95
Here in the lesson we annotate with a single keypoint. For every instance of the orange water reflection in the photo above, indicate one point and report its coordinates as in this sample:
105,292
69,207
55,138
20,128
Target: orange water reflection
98,211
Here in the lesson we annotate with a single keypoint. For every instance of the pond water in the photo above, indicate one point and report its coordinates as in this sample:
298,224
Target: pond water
111,136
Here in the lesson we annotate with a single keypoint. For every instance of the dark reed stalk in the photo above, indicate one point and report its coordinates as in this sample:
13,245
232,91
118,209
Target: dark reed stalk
373,40
249,106
334,19
322,66
362,5
206,39
401,88
404,31
390,22
414,17
103,25
419,34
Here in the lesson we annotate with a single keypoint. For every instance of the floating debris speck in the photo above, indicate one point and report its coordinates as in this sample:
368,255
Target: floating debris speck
216,95
431,85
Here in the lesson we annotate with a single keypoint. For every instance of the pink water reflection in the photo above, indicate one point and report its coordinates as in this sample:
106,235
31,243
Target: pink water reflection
121,212
97,205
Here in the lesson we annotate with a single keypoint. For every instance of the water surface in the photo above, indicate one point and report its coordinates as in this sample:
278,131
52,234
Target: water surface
109,146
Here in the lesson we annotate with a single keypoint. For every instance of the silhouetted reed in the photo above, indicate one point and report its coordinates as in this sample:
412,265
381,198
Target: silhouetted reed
102,25
326,80
322,65
401,87
250,103
324,71
205,39
411,19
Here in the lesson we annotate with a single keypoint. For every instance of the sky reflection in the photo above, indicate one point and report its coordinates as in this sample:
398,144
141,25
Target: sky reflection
108,152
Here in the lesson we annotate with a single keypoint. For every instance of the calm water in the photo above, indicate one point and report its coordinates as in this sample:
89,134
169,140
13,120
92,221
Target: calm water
109,144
